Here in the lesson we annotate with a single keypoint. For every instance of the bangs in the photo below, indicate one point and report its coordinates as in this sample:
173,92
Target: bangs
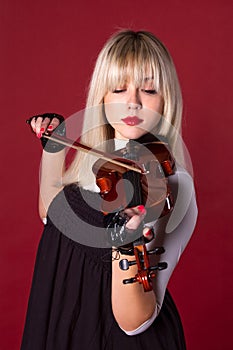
130,62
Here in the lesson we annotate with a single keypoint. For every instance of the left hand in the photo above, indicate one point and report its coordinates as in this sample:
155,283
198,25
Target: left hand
137,215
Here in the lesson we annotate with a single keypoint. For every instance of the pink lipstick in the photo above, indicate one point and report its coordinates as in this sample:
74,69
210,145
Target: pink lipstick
132,121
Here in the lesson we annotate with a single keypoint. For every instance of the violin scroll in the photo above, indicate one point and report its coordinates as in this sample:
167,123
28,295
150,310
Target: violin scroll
145,272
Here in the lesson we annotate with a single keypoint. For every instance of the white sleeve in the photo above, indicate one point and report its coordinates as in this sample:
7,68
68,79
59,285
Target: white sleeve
173,232
44,220
143,327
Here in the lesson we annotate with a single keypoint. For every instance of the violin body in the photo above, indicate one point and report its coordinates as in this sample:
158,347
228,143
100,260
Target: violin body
154,162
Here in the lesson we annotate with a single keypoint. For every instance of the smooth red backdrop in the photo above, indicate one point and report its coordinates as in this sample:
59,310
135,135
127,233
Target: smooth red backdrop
48,49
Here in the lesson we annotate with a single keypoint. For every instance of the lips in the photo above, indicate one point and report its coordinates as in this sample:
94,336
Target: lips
132,121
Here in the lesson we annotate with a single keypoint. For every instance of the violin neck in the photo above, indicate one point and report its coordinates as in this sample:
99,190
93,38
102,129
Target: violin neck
133,188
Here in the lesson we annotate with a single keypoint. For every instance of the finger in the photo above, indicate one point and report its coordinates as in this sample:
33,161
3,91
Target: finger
38,123
134,222
148,233
33,124
138,210
53,124
136,215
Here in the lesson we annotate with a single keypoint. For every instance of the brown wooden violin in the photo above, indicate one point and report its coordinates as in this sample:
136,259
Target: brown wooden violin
131,176
139,177
121,188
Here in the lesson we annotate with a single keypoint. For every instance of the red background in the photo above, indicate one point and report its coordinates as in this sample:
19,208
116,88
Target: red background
48,49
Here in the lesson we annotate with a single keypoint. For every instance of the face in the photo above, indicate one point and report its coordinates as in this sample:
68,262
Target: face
133,111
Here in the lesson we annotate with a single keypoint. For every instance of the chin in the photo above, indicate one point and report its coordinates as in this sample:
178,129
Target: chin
132,133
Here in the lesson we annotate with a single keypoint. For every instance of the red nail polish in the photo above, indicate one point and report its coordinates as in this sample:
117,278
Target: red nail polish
42,129
149,234
142,209
39,135
50,127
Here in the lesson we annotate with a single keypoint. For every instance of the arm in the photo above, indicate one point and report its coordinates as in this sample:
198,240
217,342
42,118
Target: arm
53,159
51,172
133,309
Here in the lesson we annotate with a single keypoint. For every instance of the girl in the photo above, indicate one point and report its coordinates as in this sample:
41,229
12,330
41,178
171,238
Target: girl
78,300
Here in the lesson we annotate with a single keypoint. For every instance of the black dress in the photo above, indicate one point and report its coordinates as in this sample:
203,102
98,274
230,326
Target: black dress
70,300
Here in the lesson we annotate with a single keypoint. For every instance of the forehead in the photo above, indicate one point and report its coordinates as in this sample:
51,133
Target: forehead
133,72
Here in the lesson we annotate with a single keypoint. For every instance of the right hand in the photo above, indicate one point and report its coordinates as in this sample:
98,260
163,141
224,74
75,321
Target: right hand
48,123
44,123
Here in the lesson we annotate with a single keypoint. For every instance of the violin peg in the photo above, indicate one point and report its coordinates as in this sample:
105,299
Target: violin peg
124,264
130,280
157,251
160,266
167,167
104,184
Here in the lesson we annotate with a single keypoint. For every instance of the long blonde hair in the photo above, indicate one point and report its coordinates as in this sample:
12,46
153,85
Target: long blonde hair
135,55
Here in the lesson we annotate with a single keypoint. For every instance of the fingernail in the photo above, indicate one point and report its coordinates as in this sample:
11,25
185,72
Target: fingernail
142,209
39,135
50,127
42,129
149,234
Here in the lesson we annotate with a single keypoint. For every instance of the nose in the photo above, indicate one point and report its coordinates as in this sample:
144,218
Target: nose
134,101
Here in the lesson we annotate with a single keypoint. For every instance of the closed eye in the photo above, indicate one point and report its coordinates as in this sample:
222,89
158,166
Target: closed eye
150,91
118,91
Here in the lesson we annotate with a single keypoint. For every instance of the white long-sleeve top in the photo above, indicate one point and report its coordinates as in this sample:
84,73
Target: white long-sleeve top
172,232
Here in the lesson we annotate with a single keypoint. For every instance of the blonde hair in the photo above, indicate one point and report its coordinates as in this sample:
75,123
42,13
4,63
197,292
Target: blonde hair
134,55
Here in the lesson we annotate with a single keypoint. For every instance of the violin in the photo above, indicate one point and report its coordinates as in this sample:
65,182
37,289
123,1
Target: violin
144,169
137,174
148,187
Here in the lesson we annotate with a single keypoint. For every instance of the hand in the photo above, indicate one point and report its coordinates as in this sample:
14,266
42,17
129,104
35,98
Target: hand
137,215
48,123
